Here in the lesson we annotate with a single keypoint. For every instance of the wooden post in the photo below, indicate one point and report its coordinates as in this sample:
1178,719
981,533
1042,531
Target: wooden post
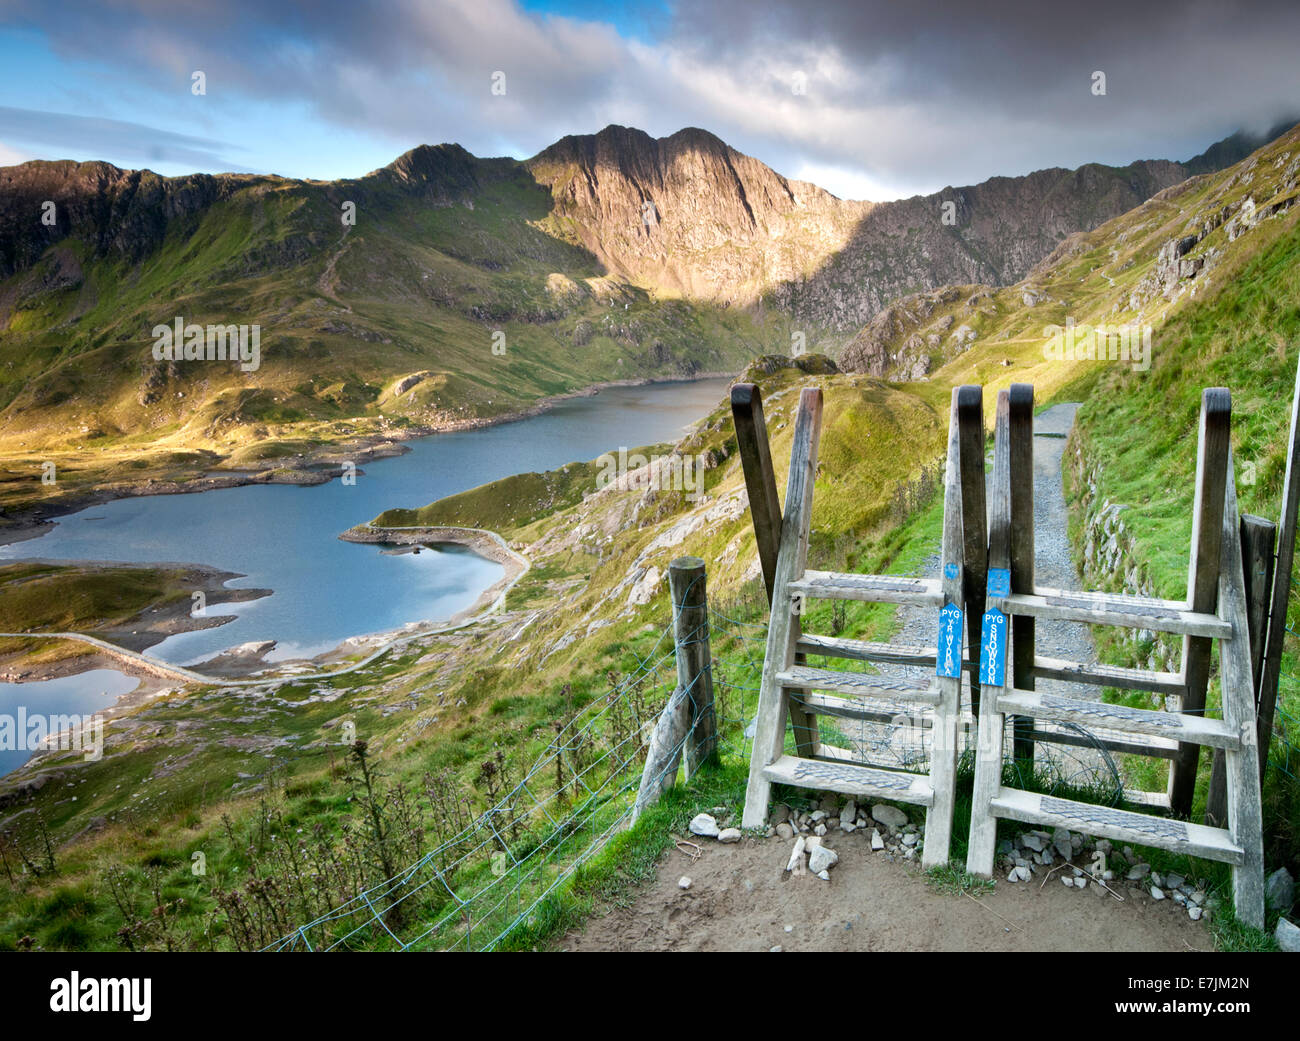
1245,815
1281,593
1257,536
765,509
664,751
1021,427
686,580
974,523
981,850
944,737
760,478
783,630
1202,579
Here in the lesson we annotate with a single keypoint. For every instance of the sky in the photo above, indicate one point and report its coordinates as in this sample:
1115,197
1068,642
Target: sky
874,99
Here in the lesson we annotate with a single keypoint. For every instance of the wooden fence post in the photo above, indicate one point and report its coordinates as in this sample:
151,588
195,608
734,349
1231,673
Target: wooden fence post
1281,592
974,522
1257,536
1021,431
687,727
765,509
1202,579
686,581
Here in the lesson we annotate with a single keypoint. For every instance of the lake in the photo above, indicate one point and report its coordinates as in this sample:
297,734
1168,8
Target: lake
285,538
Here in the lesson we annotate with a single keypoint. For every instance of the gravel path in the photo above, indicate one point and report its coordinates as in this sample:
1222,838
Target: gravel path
1054,566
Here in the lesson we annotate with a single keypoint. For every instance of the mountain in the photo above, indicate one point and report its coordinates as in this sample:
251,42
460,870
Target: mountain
445,290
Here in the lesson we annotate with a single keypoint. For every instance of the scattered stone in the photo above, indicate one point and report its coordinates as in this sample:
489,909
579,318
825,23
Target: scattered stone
1287,936
847,826
1156,880
1078,871
829,804
1174,881
889,816
1032,841
818,816
684,882
820,829
909,839
1194,913
784,831
795,863
1138,872
849,812
812,842
822,858
774,950
729,835
1279,890
824,875
877,843
1080,883
780,813
704,824
1157,893
1061,839
1068,880
1197,897
1178,898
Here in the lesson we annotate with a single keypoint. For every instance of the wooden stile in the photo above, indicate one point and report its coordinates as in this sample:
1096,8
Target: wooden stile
1219,613
790,686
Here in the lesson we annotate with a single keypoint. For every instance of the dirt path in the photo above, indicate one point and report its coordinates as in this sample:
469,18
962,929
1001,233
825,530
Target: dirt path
738,901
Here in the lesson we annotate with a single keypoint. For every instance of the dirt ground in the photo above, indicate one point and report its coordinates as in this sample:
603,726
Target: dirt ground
738,901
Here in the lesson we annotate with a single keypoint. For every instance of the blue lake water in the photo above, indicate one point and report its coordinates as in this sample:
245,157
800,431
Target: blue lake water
285,538
80,695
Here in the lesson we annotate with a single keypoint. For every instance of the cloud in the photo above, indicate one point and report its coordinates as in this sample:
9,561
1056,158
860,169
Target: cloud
899,97
89,136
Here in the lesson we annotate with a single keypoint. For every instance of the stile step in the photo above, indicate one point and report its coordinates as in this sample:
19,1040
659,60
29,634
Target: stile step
862,650
1110,676
1199,730
1119,825
874,711
918,690
1132,612
885,589
850,779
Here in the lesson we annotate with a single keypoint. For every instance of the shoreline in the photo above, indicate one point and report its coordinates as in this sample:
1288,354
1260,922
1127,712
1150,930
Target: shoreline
154,673
34,521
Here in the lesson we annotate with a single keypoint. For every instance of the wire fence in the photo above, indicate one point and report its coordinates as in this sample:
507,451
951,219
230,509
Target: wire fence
496,877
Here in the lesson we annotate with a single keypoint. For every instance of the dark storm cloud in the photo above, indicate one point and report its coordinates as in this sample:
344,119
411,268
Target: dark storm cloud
899,96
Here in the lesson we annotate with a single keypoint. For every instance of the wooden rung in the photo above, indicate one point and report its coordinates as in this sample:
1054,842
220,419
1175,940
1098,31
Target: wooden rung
1199,730
851,779
1160,800
885,589
1117,825
861,650
875,710
1109,676
904,688
1153,749
1165,616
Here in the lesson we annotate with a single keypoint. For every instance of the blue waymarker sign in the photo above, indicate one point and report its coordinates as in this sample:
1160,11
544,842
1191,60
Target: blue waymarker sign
993,649
949,657
999,581
950,570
